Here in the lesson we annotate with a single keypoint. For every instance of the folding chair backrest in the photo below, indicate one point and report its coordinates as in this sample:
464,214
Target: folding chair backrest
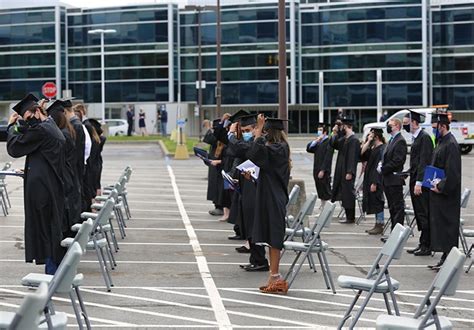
31,309
67,270
465,197
393,247
324,219
448,277
308,207
359,182
104,213
82,236
293,196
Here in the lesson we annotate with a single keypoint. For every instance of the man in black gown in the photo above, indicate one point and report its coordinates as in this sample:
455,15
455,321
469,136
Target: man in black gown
421,154
445,195
322,163
393,161
348,147
41,141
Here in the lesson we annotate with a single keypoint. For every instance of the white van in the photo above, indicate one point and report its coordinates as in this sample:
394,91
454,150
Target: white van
463,131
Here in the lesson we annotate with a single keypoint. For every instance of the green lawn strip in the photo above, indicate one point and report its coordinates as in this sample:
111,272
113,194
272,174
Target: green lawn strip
170,145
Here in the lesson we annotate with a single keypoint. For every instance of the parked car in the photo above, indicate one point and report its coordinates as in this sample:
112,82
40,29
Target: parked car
117,126
3,130
462,131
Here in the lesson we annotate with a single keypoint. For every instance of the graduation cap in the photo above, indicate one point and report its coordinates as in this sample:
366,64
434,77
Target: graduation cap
441,118
67,102
236,116
274,123
28,101
248,120
413,115
56,106
347,120
97,126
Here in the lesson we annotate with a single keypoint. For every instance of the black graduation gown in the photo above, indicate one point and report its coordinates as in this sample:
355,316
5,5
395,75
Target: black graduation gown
323,153
445,207
372,202
347,158
43,146
210,139
248,190
98,174
92,168
72,191
272,191
80,142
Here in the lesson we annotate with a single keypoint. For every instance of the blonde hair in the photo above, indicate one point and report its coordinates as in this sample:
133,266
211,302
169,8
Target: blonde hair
397,122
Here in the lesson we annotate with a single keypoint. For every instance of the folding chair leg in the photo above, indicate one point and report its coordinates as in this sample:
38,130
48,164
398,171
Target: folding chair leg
5,205
8,198
296,268
107,272
113,264
470,265
83,307
311,263
76,310
349,310
387,225
328,271
119,210
114,238
392,295
387,304
103,267
323,271
412,226
126,206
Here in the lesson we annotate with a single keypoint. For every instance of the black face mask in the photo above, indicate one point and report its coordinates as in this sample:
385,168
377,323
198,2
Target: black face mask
389,129
342,132
407,128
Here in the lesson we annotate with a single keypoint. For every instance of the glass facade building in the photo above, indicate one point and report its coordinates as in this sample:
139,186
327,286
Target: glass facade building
453,55
359,55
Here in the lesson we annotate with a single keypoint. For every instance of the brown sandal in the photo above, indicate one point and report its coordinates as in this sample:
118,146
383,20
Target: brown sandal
277,287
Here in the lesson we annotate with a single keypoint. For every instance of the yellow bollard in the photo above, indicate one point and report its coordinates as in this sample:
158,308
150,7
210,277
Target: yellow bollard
181,148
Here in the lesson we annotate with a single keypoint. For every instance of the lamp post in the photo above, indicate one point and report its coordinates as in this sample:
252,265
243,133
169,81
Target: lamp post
199,84
282,98
102,32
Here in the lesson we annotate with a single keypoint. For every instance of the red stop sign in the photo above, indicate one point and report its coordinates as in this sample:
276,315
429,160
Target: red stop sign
49,90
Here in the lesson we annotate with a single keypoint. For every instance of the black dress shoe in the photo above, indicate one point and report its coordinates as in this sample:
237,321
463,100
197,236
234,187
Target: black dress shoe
437,266
423,252
384,239
235,238
257,268
216,212
413,251
242,249
347,221
245,266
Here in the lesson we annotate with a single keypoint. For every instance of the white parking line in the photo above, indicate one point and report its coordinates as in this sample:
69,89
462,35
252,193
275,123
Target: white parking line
216,301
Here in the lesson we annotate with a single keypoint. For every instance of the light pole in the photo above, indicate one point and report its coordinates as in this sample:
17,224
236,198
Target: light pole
282,98
102,32
199,84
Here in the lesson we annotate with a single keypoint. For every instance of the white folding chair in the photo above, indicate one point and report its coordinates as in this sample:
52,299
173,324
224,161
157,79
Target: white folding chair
378,279
446,281
312,244
34,279
97,242
29,314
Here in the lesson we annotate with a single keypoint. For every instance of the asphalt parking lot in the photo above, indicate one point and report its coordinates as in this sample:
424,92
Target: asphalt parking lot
177,269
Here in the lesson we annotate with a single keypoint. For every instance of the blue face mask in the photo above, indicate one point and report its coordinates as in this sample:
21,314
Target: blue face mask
319,133
247,136
436,132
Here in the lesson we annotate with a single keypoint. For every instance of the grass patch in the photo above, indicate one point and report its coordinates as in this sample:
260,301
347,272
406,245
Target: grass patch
170,145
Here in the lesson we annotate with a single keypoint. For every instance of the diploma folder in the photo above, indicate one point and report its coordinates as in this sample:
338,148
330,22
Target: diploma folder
229,182
201,153
249,166
432,176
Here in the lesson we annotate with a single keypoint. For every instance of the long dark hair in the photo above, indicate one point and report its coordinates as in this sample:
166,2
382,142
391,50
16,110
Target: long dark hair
61,120
279,136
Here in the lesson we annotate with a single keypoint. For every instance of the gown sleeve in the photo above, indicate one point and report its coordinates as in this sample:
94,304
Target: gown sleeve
20,144
452,181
